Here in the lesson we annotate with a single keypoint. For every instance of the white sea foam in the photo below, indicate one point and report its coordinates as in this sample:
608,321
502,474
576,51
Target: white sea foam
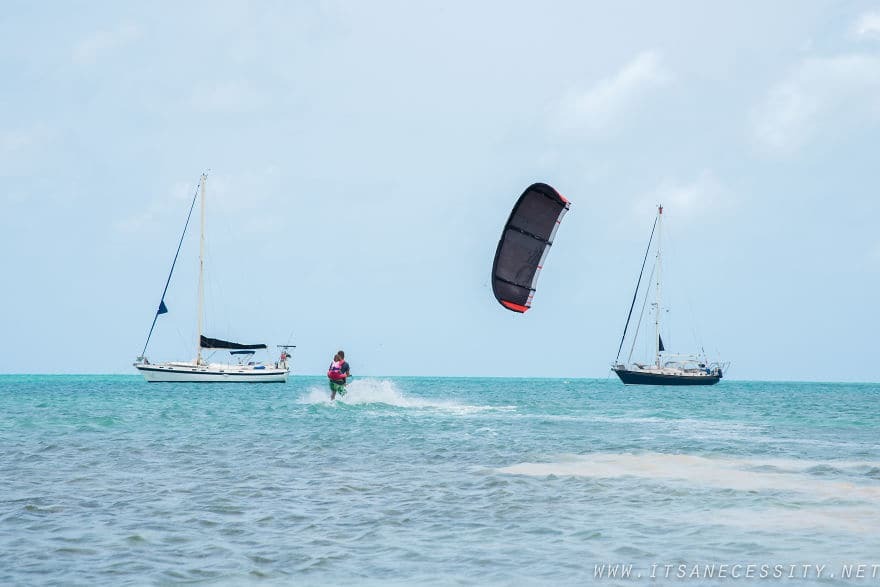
382,391
741,474
690,427
858,519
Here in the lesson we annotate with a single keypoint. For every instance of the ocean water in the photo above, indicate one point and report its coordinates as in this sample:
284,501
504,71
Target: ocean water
436,481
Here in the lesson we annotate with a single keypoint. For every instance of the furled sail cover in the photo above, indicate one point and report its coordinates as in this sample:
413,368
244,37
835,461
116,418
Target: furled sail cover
216,343
524,244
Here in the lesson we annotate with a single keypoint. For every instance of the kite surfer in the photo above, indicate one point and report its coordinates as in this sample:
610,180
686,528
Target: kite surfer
338,372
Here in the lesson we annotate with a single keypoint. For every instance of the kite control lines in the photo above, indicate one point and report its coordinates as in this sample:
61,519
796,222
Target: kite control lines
524,244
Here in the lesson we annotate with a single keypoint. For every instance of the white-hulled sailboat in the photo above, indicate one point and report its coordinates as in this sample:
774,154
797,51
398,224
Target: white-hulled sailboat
200,370
667,368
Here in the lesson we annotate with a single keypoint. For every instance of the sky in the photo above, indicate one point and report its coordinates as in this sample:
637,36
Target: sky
363,157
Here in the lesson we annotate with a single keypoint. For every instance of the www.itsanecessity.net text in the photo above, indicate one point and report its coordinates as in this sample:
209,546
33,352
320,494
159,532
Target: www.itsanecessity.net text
780,571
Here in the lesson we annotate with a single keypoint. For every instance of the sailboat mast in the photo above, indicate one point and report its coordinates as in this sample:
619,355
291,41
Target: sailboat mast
201,272
657,301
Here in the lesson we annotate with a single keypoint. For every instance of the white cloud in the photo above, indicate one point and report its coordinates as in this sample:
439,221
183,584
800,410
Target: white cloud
689,199
820,93
182,191
605,103
159,209
90,49
875,253
868,25
244,199
21,148
137,223
232,96
14,141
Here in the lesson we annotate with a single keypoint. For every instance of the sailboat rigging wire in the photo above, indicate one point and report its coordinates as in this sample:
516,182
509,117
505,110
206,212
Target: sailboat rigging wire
636,293
173,263
639,323
685,278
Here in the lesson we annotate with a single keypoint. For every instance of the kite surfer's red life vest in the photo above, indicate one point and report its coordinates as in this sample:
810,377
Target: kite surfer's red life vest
335,372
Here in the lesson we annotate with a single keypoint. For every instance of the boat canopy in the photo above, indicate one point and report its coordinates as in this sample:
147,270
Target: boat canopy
216,343
524,244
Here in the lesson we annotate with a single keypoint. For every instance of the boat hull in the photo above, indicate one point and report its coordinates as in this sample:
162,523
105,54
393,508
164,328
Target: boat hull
177,374
647,378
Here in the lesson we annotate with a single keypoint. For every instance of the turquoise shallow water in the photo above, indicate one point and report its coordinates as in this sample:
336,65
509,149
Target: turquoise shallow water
109,480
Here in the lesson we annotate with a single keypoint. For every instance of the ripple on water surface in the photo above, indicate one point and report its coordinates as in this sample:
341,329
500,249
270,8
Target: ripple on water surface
110,480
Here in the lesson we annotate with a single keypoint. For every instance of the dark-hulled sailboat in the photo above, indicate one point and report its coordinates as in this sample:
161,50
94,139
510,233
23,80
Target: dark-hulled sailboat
667,368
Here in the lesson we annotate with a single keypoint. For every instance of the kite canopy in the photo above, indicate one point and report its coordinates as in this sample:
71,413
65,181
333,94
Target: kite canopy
524,243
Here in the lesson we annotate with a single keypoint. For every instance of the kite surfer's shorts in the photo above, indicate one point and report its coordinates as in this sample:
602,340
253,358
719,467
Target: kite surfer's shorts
337,388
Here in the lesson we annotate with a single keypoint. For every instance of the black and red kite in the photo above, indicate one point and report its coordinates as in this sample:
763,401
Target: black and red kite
524,244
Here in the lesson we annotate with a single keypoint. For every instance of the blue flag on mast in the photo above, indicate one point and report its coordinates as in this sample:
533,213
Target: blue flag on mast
163,309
